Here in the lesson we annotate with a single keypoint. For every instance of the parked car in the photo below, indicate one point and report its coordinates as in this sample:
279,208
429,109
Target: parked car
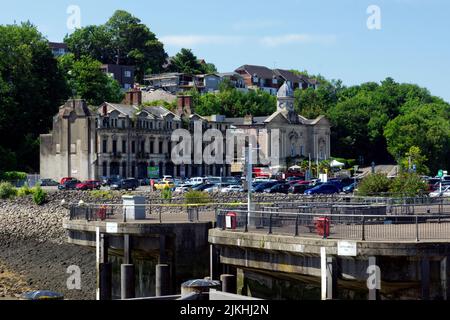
126,184
202,187
69,184
183,188
196,181
89,185
263,186
298,188
350,188
108,181
232,188
164,184
444,193
278,188
48,183
325,188
216,187
64,180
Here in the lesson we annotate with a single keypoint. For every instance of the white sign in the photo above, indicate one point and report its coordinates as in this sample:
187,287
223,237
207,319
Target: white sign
228,222
323,272
347,248
112,227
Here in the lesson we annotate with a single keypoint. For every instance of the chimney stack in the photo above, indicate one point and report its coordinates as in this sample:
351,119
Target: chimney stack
184,105
133,97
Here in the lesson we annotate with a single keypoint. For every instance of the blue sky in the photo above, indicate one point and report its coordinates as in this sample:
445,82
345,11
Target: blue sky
329,37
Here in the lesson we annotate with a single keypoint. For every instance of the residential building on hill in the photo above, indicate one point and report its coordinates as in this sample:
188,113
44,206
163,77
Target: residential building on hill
58,48
271,80
123,74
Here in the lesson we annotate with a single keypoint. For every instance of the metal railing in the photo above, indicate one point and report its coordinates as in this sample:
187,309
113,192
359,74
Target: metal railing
146,212
338,226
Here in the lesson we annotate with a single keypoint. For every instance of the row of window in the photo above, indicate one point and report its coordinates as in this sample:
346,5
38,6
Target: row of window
133,146
140,124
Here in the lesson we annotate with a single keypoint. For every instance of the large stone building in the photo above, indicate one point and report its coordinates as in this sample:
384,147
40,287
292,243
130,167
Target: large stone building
299,138
120,140
126,139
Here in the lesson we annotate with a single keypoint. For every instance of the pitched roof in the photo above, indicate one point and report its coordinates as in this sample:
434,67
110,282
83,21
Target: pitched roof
260,71
287,75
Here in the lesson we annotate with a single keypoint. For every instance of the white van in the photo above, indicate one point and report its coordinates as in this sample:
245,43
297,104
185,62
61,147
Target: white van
196,181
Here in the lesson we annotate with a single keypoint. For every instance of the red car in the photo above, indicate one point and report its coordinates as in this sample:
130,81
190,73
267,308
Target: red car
88,185
64,180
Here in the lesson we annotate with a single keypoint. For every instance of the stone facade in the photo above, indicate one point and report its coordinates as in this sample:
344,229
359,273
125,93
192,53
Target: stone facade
298,137
119,140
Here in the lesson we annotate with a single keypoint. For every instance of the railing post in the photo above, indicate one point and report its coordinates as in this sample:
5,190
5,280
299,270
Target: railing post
246,223
363,235
296,225
224,222
417,228
270,224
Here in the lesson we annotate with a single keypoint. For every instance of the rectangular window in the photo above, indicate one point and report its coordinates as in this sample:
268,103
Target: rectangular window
160,147
105,146
114,146
133,147
123,123
142,146
152,147
128,74
124,146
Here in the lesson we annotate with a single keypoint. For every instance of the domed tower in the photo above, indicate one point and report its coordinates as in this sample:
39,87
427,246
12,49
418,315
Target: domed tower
285,98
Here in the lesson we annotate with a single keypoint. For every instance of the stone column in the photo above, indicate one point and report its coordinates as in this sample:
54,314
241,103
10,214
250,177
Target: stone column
445,283
332,276
425,277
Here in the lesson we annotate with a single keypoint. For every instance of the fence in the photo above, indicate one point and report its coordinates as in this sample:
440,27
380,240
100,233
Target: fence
338,226
148,212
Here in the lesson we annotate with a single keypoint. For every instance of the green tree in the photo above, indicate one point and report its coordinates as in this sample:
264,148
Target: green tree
408,185
425,126
31,89
186,62
374,184
86,79
414,157
123,39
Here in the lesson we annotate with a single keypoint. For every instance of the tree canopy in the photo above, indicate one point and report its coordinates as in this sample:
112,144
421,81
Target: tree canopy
87,81
123,39
186,62
31,89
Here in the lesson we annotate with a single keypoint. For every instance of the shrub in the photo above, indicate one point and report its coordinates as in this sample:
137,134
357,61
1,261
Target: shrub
408,185
39,195
197,197
102,194
374,184
166,194
24,191
7,190
14,176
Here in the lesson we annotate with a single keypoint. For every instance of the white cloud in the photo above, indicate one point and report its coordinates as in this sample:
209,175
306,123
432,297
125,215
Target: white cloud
255,24
195,40
275,41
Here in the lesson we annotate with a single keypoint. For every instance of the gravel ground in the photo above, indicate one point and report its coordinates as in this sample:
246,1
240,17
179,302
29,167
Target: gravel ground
34,254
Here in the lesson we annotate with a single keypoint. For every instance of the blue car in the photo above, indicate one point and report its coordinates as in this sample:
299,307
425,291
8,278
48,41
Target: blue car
323,189
350,188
